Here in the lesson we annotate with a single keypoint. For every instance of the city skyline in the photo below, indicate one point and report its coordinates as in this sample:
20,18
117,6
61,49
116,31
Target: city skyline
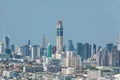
87,21
60,40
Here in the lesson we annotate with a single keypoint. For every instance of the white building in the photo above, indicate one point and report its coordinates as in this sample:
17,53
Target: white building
2,49
35,52
117,77
118,44
70,59
8,73
92,74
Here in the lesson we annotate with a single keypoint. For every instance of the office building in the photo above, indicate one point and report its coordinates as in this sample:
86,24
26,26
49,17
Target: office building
35,52
29,42
59,37
44,41
115,56
100,57
7,42
64,48
109,47
53,49
12,48
25,49
78,65
7,45
49,50
79,49
70,45
87,51
70,59
118,44
2,49
94,49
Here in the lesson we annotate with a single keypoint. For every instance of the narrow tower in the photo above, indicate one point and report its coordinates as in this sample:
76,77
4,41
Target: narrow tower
118,44
44,41
59,37
7,42
49,50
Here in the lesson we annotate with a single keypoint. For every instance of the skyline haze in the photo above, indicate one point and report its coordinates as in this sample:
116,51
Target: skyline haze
83,21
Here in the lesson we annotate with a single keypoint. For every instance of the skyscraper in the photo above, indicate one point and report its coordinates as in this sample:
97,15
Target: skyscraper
53,49
7,42
49,50
80,49
100,56
7,45
44,42
93,50
12,48
109,47
70,45
25,50
35,52
87,50
118,44
59,37
29,42
2,49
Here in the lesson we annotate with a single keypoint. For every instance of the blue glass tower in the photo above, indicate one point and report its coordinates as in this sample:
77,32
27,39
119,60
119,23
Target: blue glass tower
80,49
70,45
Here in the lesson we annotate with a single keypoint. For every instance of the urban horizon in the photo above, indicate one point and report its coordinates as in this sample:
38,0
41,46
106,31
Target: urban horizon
60,40
54,42
59,62
88,21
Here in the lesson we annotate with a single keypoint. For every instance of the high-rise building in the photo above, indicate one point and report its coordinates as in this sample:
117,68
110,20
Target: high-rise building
70,59
42,51
12,48
49,50
53,49
109,47
87,50
25,49
94,48
7,45
78,65
70,45
2,49
100,57
29,42
44,42
115,56
79,49
7,42
118,44
35,52
59,37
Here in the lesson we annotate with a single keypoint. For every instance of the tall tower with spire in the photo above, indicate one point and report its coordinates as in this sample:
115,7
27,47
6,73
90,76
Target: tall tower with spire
59,37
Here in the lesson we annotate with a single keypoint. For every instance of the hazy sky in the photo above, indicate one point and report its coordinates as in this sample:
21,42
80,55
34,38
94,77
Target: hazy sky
93,21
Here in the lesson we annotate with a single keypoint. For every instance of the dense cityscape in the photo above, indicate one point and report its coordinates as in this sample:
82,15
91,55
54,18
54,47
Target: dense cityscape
83,61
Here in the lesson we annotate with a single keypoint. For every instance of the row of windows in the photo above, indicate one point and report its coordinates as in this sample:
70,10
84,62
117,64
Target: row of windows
59,29
60,33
